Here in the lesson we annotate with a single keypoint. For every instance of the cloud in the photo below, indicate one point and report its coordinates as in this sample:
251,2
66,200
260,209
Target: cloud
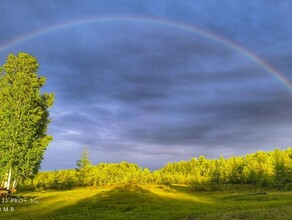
150,93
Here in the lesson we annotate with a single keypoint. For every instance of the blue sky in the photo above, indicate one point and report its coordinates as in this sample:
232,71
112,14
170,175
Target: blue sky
132,88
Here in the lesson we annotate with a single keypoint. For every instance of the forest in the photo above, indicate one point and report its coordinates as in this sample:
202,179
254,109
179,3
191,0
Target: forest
263,169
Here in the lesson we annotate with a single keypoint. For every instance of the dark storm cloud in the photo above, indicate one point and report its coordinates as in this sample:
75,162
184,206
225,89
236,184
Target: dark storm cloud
149,93
128,67
198,123
159,100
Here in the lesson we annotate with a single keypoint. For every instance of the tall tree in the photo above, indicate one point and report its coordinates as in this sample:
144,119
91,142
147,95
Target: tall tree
85,168
24,116
84,159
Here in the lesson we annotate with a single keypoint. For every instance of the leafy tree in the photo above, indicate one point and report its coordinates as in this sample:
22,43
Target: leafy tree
24,116
262,169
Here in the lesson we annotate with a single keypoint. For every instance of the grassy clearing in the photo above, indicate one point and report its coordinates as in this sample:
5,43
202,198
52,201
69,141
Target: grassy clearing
150,202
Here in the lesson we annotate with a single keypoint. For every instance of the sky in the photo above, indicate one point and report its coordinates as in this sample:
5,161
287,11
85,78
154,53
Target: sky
152,82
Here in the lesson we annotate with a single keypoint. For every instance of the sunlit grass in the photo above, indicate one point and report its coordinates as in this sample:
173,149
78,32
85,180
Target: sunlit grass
43,203
150,202
171,193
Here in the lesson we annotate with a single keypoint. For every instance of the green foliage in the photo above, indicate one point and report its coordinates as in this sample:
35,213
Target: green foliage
261,169
84,159
84,168
23,116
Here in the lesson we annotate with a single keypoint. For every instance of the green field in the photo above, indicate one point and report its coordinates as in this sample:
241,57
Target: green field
148,202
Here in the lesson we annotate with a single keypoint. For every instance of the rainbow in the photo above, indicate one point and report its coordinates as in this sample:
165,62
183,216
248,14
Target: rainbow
158,21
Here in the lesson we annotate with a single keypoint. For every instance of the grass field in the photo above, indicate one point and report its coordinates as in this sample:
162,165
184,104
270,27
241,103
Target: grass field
148,202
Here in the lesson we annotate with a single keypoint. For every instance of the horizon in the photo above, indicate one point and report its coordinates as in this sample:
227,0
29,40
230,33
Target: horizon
152,170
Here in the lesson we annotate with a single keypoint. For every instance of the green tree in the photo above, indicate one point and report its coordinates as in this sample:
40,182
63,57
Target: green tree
85,170
24,116
84,159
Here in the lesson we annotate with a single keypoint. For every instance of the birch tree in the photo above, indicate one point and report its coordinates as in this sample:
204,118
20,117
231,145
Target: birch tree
24,116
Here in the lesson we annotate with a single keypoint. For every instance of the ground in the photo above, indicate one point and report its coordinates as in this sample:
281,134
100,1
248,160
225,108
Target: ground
147,202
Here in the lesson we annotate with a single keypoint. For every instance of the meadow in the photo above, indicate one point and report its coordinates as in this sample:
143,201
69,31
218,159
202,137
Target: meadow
257,186
148,202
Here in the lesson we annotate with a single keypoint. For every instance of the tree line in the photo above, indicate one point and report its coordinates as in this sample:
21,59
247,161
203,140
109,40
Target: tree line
264,169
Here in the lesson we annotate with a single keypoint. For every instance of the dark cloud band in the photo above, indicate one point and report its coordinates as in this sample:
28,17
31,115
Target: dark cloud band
157,21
